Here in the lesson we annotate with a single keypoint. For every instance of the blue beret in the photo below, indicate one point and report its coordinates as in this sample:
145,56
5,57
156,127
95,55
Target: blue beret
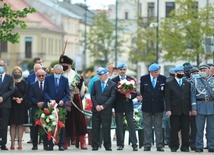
121,65
154,67
102,71
171,71
179,68
204,67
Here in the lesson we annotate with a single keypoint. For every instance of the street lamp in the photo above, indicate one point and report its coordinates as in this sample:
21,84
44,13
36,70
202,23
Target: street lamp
157,32
116,36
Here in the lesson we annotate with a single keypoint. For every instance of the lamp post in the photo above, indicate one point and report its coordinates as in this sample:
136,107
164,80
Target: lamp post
157,32
85,41
116,35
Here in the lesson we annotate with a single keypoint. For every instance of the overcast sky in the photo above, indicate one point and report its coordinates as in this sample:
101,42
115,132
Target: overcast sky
95,4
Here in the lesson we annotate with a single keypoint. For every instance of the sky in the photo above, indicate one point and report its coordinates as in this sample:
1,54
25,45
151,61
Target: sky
95,4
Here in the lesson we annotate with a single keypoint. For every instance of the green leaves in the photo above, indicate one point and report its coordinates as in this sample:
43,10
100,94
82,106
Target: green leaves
11,20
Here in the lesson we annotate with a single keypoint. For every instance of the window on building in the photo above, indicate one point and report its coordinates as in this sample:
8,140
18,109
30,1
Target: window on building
3,46
126,15
169,7
28,47
151,10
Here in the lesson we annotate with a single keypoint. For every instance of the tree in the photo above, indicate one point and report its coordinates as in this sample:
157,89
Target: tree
9,20
101,39
183,33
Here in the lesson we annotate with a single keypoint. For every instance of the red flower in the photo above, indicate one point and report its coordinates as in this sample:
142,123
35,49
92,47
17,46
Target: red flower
49,135
61,125
38,122
46,111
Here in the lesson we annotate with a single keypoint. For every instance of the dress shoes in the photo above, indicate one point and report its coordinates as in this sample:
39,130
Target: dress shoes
173,150
4,148
210,150
108,149
49,149
160,149
134,148
34,148
120,148
61,148
94,148
147,149
193,148
185,150
199,150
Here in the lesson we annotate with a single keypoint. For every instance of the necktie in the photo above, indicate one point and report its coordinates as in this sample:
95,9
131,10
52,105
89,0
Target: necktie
0,79
40,86
153,82
122,78
180,82
102,86
56,85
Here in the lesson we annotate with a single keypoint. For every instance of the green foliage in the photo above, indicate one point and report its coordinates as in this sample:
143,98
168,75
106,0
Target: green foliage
182,34
11,19
30,65
54,63
101,39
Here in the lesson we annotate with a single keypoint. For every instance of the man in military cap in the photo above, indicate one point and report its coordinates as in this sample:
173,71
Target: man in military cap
178,107
187,67
202,98
75,122
152,88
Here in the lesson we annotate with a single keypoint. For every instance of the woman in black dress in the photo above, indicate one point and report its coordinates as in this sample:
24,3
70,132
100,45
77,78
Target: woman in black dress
18,115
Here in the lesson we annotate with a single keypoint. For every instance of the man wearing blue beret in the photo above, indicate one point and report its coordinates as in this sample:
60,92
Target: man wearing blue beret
102,95
178,107
152,90
123,104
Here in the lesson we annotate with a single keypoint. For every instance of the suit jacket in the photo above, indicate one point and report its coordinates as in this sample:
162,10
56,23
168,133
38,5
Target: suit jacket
106,98
50,90
31,78
178,98
121,104
6,91
153,98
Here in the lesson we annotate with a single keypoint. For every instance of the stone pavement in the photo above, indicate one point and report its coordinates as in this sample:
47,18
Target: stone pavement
75,151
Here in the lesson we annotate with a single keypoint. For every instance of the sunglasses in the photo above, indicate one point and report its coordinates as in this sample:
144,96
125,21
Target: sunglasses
122,69
41,75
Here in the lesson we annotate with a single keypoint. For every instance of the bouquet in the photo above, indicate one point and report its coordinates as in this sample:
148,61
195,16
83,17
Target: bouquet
126,86
51,120
136,120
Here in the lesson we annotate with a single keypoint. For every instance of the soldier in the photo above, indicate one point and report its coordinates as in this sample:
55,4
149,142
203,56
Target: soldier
202,98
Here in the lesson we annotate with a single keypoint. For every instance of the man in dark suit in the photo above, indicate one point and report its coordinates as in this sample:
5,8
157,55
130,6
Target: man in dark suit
36,96
178,107
102,95
152,90
57,88
124,104
6,91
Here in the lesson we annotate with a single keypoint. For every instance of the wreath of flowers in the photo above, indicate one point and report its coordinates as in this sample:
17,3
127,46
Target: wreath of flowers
127,86
51,120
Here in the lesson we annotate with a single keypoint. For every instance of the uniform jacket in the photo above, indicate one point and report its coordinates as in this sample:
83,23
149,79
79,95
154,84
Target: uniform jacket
121,103
178,98
106,98
198,94
153,98
6,91
50,89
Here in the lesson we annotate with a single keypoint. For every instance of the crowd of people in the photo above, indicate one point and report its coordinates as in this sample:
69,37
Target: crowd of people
184,99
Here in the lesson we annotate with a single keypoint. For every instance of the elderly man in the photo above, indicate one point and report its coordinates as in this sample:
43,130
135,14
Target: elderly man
56,88
102,95
6,91
202,98
123,104
152,90
178,107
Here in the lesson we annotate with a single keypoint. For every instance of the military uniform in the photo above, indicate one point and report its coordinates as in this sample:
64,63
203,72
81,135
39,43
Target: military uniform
202,98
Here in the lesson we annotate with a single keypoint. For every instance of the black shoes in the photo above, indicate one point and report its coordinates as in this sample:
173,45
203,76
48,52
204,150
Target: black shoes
61,148
199,150
134,148
160,149
184,150
108,149
120,148
210,150
4,148
147,149
49,149
94,148
193,148
174,149
34,148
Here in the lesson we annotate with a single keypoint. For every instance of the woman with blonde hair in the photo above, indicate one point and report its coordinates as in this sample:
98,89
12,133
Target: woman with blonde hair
18,115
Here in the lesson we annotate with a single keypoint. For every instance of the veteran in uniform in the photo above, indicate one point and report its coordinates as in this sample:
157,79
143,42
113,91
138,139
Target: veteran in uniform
202,98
